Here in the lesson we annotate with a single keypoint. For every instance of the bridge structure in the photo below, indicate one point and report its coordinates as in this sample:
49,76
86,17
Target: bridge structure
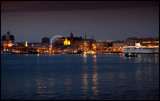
54,38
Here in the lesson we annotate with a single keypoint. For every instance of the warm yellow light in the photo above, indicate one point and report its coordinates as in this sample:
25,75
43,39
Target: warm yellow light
9,45
38,50
156,41
26,44
66,42
84,55
84,52
92,52
147,42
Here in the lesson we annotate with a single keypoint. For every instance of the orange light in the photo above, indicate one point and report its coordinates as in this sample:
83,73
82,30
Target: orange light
4,46
94,56
66,42
9,45
38,50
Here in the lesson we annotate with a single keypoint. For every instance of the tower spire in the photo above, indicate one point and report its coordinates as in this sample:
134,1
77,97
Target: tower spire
71,35
8,32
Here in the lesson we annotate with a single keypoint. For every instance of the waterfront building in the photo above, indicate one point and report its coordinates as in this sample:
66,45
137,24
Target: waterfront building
73,44
45,41
103,46
58,42
67,40
130,41
7,41
66,44
87,44
20,47
143,41
26,45
148,42
39,47
118,46
72,40
142,45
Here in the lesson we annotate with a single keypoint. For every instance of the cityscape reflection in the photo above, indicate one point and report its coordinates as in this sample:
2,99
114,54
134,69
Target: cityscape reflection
156,58
95,77
85,58
38,59
68,86
142,58
44,86
85,85
85,77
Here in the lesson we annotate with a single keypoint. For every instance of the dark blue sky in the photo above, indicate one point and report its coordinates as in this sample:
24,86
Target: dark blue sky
107,20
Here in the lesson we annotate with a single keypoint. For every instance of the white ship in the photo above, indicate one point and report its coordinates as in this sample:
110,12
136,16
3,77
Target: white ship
140,49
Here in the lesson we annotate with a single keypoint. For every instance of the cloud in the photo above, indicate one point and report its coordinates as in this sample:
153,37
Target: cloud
34,6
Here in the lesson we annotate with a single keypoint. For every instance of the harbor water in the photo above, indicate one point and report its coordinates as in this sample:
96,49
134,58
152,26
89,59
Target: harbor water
79,77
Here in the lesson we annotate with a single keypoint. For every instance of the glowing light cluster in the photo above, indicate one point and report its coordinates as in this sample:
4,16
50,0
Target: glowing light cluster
26,45
10,44
66,42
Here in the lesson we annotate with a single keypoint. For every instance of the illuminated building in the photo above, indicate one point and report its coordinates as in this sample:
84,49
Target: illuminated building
87,44
102,46
144,42
130,41
26,45
7,41
148,42
118,46
73,39
66,42
142,45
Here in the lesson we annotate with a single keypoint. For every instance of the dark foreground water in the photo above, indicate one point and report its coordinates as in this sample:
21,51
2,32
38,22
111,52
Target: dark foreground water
80,77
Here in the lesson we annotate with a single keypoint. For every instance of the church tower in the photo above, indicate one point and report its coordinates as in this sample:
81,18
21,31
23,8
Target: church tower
71,35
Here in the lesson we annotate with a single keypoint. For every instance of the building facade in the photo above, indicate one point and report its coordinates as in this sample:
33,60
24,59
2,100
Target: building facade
7,41
144,42
102,46
45,40
118,46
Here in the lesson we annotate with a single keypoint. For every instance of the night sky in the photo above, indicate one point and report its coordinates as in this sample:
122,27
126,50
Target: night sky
107,20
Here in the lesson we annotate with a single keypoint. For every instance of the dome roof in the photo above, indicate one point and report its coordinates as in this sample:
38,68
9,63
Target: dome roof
8,32
7,37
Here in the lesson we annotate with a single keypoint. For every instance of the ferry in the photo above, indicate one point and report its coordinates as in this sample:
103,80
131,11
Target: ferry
140,49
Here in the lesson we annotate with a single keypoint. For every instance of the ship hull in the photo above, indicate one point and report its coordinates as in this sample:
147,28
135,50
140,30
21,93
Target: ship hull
138,50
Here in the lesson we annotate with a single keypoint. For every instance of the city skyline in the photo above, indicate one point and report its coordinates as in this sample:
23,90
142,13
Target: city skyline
33,20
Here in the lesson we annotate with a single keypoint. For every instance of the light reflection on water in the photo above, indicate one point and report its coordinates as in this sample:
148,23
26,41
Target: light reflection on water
142,58
44,85
85,58
85,84
85,76
95,77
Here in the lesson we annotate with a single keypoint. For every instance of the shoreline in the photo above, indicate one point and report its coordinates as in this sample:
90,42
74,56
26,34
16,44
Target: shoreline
10,53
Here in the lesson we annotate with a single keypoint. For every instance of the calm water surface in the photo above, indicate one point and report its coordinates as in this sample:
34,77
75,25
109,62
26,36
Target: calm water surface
80,77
